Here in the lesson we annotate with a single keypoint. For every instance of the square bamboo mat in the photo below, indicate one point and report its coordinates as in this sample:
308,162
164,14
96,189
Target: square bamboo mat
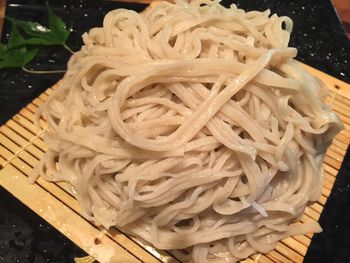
22,146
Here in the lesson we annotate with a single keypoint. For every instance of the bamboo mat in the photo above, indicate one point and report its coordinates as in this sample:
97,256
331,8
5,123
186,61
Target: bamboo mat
21,147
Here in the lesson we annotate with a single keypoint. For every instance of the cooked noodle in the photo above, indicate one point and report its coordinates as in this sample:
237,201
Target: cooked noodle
191,126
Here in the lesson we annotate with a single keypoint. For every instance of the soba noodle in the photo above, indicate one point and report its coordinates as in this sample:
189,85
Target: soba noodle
191,126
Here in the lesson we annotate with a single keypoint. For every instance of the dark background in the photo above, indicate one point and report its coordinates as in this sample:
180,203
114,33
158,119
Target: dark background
320,39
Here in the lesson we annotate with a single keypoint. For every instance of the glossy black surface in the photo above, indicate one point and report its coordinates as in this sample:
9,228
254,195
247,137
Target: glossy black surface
333,244
25,237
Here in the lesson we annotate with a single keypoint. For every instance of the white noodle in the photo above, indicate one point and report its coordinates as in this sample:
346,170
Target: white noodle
191,126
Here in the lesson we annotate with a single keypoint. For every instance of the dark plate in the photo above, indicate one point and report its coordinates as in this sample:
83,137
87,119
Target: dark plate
320,39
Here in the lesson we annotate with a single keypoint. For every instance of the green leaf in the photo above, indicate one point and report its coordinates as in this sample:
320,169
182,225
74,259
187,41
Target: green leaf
15,53
15,37
56,34
57,26
31,28
15,57
3,51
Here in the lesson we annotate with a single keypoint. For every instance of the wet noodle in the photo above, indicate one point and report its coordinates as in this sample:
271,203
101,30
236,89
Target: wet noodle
191,126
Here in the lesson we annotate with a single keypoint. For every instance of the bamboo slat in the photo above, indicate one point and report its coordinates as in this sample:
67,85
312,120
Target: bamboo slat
22,146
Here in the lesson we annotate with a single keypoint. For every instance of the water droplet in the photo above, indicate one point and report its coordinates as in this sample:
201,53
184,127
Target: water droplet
29,86
14,225
342,74
86,15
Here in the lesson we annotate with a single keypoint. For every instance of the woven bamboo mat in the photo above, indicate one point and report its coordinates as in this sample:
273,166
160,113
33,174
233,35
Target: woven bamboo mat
21,147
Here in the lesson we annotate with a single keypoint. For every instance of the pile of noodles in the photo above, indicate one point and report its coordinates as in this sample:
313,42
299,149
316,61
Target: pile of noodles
191,126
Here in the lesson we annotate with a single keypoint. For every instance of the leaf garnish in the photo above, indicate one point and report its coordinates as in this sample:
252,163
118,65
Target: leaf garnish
11,57
16,52
56,34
